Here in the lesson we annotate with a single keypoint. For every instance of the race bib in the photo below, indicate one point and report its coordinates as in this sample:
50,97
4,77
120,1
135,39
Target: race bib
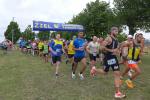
111,61
94,54
57,50
131,62
81,48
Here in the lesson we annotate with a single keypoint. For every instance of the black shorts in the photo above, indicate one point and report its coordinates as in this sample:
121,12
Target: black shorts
45,54
76,60
36,49
28,48
92,57
40,50
70,55
56,59
24,47
111,61
98,56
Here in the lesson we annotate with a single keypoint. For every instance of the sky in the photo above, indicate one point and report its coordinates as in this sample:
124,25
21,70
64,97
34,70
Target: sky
25,11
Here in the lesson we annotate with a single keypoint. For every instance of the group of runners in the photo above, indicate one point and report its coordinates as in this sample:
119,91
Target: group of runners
101,50
6,45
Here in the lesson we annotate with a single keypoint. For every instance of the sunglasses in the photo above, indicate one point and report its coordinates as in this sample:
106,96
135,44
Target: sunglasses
130,38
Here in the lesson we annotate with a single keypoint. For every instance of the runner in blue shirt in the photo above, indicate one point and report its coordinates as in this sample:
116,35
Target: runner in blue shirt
56,50
79,47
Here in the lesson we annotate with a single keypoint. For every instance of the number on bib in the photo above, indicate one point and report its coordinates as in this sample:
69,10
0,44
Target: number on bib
94,54
111,61
57,50
131,62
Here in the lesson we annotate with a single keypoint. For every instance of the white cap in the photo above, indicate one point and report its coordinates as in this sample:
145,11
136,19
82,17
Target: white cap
129,36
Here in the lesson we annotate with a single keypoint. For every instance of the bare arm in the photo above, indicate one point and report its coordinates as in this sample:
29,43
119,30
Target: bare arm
142,46
50,49
88,48
106,42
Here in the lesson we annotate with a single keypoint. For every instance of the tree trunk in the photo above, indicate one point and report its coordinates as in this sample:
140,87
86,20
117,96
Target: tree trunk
131,30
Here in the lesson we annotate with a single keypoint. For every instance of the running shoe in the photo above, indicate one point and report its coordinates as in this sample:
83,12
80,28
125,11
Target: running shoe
129,83
119,95
73,76
81,76
56,75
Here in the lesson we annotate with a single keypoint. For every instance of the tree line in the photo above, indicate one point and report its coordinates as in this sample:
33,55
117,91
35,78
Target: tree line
97,18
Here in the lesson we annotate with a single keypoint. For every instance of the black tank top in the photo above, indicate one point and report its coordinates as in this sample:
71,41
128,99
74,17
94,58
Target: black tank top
113,45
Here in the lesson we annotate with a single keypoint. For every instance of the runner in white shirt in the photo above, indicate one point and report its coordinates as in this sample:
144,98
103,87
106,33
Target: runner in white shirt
93,50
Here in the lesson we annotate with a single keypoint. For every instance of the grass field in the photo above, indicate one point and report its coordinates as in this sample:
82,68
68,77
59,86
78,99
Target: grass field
24,77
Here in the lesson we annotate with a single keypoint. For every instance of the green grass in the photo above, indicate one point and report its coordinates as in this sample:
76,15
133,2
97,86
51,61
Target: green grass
24,77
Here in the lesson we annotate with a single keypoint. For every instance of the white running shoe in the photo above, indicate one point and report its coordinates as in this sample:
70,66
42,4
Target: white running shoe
81,76
119,95
73,76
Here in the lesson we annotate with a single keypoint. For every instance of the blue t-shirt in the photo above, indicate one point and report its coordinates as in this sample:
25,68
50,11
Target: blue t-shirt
22,43
56,46
79,43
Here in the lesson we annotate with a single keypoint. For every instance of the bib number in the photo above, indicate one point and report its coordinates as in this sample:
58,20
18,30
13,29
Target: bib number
131,62
111,61
94,54
57,50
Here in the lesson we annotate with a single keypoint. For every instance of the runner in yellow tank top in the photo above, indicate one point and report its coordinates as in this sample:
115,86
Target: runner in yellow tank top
40,47
133,57
71,48
71,51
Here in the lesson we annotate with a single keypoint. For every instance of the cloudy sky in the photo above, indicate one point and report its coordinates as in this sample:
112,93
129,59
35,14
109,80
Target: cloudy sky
25,11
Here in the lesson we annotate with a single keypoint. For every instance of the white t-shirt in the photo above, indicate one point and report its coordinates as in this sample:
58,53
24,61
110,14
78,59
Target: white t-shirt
94,47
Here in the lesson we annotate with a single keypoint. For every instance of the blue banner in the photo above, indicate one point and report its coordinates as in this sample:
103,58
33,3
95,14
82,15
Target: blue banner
49,26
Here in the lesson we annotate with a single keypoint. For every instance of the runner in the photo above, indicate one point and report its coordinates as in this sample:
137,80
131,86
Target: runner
101,55
56,49
79,47
4,46
133,58
45,51
40,47
110,60
34,48
142,41
124,46
29,46
93,50
70,50
22,45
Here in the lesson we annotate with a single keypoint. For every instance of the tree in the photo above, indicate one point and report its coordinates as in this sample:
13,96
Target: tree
121,37
12,30
44,35
96,18
28,34
133,13
68,35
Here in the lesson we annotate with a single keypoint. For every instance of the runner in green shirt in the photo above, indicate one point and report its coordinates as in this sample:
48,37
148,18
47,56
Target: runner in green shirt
45,51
